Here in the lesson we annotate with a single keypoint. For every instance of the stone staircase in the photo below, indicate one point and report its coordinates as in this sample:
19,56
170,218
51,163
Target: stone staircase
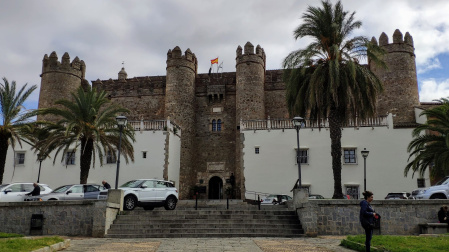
210,220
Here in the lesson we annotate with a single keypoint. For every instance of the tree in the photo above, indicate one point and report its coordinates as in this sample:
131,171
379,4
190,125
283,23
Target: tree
86,122
430,144
13,117
325,79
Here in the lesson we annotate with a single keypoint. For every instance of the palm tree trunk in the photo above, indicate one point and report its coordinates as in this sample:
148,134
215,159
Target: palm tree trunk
85,159
3,152
335,122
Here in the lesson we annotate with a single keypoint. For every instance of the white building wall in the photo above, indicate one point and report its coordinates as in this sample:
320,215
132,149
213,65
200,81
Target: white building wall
174,158
151,142
274,169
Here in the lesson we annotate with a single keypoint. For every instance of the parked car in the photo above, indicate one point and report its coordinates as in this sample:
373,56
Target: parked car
315,196
439,191
72,192
402,195
15,192
149,193
275,199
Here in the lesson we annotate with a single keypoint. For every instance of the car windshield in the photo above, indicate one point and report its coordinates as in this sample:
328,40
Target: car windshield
444,181
132,183
61,189
3,186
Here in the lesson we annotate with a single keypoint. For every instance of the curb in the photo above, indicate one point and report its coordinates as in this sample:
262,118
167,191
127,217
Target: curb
55,247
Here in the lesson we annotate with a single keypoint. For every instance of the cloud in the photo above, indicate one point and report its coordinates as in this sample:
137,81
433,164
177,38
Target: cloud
431,89
433,63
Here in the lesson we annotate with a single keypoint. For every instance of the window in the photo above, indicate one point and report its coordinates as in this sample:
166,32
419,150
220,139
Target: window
110,158
421,182
149,184
20,158
77,189
214,125
256,150
69,158
352,191
350,156
91,188
161,184
219,125
144,154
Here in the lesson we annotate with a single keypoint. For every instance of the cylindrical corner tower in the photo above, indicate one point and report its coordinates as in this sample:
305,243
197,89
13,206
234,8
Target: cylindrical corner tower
59,80
400,94
180,106
250,81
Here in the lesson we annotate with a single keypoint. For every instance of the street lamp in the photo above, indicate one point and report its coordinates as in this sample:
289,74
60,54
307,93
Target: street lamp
297,122
364,155
121,122
41,157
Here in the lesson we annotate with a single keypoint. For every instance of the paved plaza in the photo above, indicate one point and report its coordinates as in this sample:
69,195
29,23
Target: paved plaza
322,243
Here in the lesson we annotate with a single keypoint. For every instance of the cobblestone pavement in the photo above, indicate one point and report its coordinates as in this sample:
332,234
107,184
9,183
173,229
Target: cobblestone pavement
322,243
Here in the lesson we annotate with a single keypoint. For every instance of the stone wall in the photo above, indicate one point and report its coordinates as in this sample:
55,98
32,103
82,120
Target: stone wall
72,218
341,217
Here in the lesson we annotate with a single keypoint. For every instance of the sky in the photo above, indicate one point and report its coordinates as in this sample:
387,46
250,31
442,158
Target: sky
106,33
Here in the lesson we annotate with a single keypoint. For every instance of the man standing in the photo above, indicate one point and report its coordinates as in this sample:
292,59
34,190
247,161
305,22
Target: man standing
106,185
36,191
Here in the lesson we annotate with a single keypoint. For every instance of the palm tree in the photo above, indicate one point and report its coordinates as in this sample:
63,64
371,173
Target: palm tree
86,122
13,117
325,79
431,149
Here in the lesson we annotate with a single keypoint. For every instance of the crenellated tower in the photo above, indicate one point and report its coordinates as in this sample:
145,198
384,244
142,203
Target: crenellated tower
400,94
180,107
59,80
250,80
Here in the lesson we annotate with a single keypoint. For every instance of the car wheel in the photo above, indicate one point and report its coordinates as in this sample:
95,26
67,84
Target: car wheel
148,207
438,196
170,203
130,202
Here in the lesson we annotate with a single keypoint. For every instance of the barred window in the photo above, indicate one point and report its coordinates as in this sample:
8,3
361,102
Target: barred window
214,125
352,191
110,158
20,158
350,156
69,158
256,150
219,125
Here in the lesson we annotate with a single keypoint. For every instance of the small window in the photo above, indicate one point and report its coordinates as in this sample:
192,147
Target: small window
350,156
256,149
219,125
421,182
144,154
303,156
69,158
110,158
352,191
214,125
20,158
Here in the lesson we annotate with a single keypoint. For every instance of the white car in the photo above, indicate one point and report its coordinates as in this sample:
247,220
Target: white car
149,193
275,199
74,192
15,192
439,191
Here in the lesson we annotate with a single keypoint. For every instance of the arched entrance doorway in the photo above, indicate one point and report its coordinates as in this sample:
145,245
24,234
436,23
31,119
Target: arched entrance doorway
215,188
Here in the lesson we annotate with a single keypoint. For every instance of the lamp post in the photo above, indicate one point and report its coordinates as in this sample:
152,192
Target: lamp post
41,157
121,122
297,122
364,155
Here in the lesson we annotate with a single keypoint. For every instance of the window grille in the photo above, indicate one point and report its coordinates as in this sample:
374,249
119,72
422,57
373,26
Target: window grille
70,158
350,156
214,125
110,158
256,150
219,125
421,182
352,191
20,158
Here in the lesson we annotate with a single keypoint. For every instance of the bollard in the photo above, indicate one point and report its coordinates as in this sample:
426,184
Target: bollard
258,201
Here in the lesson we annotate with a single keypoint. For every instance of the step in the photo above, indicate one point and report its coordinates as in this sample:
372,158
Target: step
195,235
207,230
203,225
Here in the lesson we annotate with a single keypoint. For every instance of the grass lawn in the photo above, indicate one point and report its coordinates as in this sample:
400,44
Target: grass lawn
16,243
399,243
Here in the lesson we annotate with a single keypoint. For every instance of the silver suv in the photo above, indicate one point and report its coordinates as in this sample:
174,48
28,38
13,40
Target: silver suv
439,191
149,193
15,192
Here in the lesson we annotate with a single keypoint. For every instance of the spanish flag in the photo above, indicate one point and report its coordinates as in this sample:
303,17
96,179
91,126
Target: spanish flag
214,61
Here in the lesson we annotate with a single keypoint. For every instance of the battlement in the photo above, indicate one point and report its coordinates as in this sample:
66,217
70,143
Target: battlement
51,64
400,43
176,59
249,55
